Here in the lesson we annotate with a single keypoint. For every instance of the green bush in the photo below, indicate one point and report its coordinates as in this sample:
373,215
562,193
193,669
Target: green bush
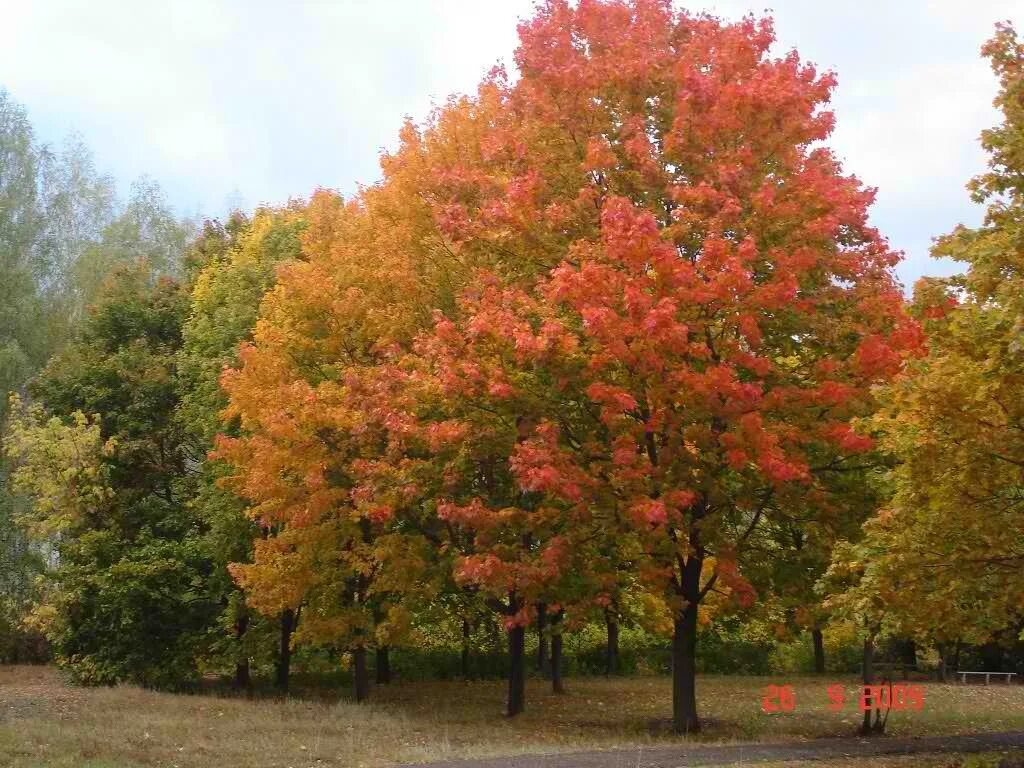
843,653
18,644
131,614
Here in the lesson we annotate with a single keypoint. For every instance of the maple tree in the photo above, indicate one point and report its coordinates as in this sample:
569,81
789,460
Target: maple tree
941,560
306,398
233,265
677,308
657,307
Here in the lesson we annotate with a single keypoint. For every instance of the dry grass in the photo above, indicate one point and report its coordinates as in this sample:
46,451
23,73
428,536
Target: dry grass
45,724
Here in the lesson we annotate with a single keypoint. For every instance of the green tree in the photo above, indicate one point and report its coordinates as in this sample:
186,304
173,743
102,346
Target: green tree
77,205
22,347
60,235
129,551
941,561
146,229
54,206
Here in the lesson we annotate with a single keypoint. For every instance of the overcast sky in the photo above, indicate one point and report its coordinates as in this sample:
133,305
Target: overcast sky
269,100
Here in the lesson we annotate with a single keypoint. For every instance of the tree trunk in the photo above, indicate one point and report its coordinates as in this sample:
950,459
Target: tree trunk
242,678
516,670
956,656
905,650
819,651
909,659
466,631
869,679
542,638
383,665
556,654
992,657
284,651
360,677
911,653
611,654
943,656
684,671
495,633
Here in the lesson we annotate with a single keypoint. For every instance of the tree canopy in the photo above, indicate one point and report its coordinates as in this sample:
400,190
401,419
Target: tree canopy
942,557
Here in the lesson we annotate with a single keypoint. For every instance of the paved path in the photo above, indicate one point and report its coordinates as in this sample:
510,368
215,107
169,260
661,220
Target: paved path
742,754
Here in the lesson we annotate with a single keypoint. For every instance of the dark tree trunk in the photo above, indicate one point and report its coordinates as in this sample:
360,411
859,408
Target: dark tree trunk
542,638
282,671
611,654
992,657
956,656
819,651
556,654
360,676
383,665
911,653
684,672
943,662
909,657
867,701
495,633
868,677
242,678
905,650
516,670
466,631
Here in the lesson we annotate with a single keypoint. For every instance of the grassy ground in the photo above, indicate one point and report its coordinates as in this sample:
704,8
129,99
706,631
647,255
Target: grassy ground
45,724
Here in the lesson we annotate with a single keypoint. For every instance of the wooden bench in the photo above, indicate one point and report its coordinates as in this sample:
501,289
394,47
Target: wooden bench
988,675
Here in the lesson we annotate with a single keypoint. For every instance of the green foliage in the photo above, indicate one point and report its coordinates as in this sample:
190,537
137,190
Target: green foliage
128,597
151,593
843,652
54,207
942,559
61,232
728,646
60,467
640,652
21,563
77,205
145,230
122,369
22,344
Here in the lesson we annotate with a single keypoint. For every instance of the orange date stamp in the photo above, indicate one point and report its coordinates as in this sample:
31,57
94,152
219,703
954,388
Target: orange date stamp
894,696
